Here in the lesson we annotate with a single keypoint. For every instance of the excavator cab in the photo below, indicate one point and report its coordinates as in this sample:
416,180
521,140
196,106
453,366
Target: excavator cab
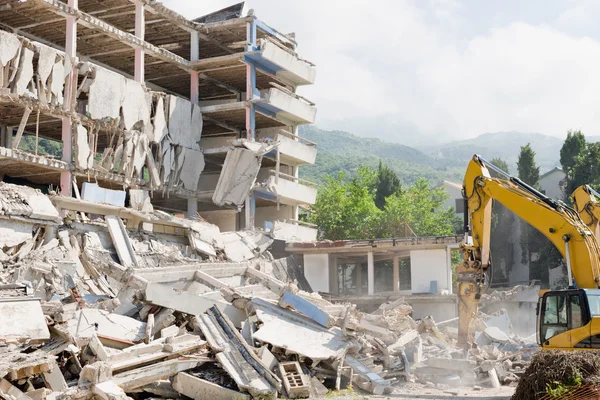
569,319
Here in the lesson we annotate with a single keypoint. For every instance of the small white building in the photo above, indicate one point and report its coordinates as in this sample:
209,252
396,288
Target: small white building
371,272
553,183
455,199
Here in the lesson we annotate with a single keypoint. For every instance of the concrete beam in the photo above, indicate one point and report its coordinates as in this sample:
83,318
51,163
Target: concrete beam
199,389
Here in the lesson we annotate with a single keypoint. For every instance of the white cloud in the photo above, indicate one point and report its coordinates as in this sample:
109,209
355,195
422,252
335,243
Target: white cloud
410,62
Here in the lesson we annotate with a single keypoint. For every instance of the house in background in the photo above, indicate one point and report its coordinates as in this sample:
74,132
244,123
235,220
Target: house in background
553,183
455,198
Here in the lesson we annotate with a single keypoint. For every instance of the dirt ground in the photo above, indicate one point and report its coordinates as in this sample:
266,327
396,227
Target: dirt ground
415,391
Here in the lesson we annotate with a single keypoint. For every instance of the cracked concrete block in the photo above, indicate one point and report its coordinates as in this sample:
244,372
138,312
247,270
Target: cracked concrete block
82,148
25,73
191,169
135,105
9,46
106,94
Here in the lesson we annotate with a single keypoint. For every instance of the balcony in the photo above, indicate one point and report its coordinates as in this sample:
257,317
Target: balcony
285,188
293,150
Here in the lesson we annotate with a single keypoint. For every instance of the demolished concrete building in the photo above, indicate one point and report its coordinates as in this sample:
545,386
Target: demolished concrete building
202,114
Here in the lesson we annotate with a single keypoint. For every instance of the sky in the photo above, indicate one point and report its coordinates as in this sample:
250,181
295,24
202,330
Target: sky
421,71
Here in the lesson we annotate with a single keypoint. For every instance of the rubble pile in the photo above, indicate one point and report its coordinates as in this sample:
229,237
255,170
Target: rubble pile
112,302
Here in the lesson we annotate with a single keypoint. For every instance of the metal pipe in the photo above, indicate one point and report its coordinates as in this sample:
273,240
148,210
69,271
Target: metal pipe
568,258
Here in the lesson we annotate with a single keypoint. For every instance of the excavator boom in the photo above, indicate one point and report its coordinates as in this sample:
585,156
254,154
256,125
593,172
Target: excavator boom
559,223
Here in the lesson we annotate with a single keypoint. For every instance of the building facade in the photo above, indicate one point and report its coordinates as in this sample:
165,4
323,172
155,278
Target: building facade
203,114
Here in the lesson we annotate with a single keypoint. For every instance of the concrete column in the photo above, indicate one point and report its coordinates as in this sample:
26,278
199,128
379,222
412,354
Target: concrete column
66,178
370,274
192,208
396,274
194,55
140,32
358,279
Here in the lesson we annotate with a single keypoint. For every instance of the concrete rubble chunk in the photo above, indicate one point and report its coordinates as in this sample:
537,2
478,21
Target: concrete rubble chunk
494,334
200,389
23,320
237,177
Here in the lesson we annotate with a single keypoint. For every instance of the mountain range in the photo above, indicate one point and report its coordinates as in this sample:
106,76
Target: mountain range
343,151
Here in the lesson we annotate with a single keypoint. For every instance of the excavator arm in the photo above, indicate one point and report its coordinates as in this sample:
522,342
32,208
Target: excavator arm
560,224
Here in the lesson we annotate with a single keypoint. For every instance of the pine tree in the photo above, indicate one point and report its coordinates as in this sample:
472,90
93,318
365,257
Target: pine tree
387,184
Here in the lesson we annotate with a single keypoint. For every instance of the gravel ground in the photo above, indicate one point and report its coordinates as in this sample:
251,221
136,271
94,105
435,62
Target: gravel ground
416,391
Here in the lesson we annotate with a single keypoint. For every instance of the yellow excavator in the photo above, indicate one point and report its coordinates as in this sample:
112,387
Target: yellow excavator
567,319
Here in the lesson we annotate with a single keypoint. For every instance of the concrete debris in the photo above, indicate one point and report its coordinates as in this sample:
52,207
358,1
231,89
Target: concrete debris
134,302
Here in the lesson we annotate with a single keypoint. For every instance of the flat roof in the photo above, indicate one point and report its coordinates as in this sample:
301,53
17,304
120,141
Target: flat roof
376,245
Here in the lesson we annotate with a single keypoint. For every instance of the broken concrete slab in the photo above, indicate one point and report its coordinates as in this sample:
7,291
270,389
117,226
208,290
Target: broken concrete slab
54,379
9,46
82,148
23,201
13,233
25,72
494,334
181,130
106,93
160,122
191,169
93,193
109,391
143,376
190,303
200,389
300,304
58,82
121,241
296,333
236,357
451,364
23,320
46,61
135,107
237,177
365,378
107,326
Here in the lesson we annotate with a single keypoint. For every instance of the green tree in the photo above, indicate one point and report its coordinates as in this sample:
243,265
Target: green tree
346,209
528,171
387,184
571,149
586,169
